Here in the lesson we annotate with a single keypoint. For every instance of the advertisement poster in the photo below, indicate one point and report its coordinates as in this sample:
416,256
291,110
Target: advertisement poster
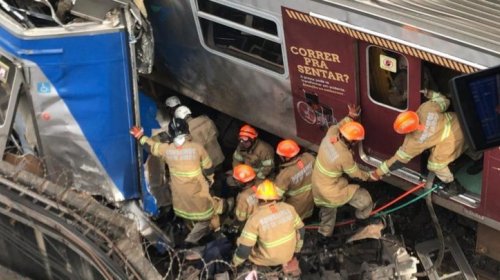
322,68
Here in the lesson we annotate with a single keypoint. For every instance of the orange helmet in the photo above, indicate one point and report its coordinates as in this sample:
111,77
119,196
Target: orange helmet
248,131
243,173
407,122
353,131
267,191
287,148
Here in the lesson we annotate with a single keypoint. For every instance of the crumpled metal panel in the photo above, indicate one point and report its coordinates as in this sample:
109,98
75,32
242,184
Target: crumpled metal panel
82,99
145,50
69,158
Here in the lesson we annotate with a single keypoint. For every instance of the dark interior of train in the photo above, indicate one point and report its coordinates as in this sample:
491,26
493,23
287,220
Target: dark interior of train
258,50
468,167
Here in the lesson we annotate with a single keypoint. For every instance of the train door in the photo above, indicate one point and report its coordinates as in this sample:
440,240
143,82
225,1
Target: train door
389,84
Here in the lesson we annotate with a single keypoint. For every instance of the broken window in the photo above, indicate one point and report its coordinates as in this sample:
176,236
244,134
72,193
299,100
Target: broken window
241,35
388,78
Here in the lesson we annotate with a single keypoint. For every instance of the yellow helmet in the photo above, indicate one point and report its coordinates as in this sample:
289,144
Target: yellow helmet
267,191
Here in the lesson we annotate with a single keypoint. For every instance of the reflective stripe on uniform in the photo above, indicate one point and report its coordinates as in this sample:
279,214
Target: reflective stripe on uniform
351,170
447,127
321,203
435,165
299,245
267,162
404,156
249,235
195,215
297,221
441,102
241,214
263,164
300,190
154,149
143,140
237,156
237,260
333,174
384,168
205,162
188,174
278,242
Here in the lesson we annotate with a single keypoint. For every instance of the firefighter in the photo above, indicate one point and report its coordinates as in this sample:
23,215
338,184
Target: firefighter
190,172
203,130
172,103
273,234
246,202
430,127
254,152
163,117
294,178
329,187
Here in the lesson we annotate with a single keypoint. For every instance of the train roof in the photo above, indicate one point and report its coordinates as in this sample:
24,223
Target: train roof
449,26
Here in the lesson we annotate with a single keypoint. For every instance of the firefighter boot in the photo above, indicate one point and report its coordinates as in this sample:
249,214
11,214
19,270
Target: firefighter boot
454,188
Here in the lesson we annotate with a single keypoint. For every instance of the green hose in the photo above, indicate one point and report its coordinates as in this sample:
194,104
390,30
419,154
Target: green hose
407,203
425,193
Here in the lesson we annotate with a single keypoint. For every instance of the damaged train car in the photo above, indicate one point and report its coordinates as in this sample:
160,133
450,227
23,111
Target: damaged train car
69,90
79,198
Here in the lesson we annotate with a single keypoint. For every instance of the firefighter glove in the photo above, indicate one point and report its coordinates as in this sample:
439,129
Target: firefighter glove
354,111
137,132
374,176
427,93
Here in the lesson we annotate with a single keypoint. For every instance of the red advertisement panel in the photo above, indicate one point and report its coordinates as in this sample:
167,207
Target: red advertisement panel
322,69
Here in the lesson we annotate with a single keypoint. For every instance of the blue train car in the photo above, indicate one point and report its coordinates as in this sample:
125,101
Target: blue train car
69,96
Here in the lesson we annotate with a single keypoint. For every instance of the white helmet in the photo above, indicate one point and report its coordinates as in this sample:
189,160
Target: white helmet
182,112
172,101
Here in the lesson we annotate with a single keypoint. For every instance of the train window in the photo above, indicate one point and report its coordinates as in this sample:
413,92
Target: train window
388,78
238,16
241,35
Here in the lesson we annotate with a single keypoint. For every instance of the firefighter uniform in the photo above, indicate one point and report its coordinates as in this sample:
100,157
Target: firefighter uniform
260,156
294,184
190,190
442,134
272,233
204,131
330,189
246,202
